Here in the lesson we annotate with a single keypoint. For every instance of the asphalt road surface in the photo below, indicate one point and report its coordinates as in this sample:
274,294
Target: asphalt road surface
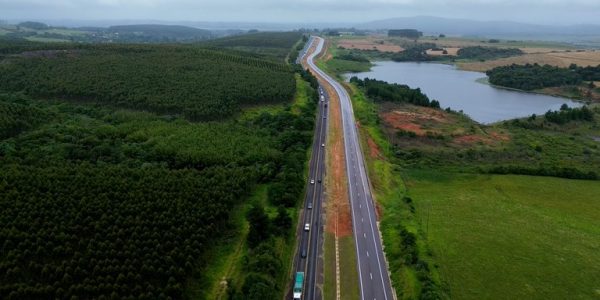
374,279
310,240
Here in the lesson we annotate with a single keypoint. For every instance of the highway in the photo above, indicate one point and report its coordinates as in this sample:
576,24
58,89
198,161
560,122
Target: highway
374,280
310,241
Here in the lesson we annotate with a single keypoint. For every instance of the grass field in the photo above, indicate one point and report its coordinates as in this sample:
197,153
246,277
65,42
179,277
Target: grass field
483,236
537,269
511,237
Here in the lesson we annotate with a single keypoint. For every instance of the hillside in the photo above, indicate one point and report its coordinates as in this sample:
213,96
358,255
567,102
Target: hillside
161,33
501,29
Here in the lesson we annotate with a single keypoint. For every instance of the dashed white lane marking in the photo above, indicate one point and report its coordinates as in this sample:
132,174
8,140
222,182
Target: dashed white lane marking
362,220
371,274
367,253
365,235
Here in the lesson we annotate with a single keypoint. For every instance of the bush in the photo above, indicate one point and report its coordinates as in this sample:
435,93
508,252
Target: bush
382,91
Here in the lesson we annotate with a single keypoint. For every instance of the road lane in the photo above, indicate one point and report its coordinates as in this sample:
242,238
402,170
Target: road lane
310,240
374,279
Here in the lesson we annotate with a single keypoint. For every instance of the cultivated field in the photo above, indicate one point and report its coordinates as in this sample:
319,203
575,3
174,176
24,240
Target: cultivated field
511,237
369,43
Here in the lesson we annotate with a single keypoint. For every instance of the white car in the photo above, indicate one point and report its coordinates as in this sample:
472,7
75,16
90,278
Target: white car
312,181
306,227
322,145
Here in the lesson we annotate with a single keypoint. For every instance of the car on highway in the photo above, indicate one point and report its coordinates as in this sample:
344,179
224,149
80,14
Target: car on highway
319,180
303,253
322,145
309,205
312,181
306,227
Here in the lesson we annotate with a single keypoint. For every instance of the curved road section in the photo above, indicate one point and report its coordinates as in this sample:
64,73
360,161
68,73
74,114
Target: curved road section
372,270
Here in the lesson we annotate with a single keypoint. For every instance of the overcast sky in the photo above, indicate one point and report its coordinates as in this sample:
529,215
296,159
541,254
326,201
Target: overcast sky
354,11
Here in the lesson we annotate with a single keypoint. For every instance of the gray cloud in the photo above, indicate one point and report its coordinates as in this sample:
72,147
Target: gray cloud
536,11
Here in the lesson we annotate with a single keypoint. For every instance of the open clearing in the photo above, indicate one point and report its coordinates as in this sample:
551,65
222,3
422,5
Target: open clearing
511,237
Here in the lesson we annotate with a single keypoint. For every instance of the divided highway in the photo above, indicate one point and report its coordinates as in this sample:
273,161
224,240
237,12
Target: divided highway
374,279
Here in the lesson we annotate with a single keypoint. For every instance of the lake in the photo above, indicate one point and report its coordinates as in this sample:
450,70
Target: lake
460,90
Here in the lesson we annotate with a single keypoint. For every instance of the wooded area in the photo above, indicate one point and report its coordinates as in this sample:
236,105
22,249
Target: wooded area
382,91
99,202
531,77
200,83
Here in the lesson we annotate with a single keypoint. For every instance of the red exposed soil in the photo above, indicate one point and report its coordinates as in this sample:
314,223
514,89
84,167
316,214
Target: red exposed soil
472,139
499,136
490,139
403,121
374,151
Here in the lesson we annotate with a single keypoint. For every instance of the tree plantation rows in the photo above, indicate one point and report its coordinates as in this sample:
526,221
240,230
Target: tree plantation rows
382,91
98,202
16,117
106,232
531,77
201,84
273,45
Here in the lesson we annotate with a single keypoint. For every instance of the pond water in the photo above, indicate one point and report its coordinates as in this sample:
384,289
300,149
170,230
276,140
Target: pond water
460,90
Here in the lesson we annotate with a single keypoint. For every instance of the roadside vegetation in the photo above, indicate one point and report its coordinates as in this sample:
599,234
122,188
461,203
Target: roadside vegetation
434,176
122,199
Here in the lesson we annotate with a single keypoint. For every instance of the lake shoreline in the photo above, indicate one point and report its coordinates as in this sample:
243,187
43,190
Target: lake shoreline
468,91
484,80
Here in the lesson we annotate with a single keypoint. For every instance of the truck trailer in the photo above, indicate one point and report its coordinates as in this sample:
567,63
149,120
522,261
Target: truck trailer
298,285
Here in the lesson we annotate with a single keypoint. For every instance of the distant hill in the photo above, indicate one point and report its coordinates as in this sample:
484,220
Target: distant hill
33,25
160,32
463,27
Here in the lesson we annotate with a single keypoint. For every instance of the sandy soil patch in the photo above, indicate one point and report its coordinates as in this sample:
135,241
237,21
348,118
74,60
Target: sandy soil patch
560,59
532,50
369,44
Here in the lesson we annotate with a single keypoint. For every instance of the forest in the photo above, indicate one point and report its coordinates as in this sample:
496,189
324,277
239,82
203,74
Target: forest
382,91
534,76
567,114
269,44
195,82
106,194
479,52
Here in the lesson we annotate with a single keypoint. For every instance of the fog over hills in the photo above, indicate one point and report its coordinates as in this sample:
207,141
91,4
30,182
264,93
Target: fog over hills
436,25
